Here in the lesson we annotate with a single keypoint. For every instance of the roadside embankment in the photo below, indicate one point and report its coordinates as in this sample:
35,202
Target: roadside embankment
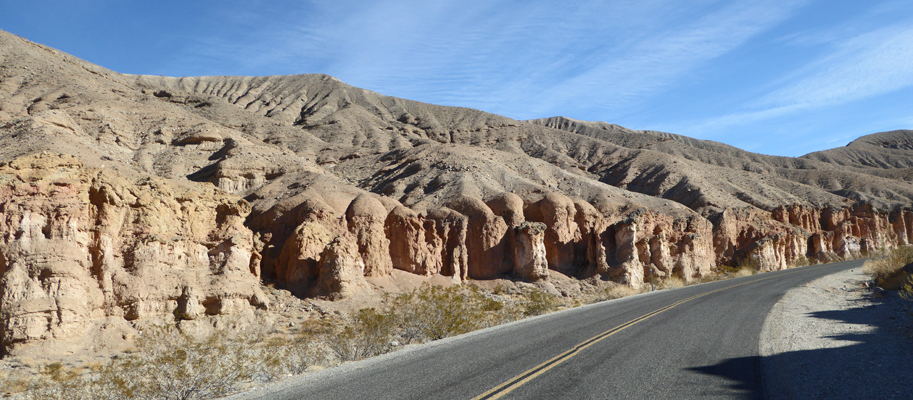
831,339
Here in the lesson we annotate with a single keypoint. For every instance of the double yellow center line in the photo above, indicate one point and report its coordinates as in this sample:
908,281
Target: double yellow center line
519,380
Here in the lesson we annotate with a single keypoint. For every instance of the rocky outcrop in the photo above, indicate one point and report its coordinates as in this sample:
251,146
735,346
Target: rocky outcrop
298,265
646,241
79,243
412,248
452,228
562,237
365,218
509,236
487,253
341,269
529,251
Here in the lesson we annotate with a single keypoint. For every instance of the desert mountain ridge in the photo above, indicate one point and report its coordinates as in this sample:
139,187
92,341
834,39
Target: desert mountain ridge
128,197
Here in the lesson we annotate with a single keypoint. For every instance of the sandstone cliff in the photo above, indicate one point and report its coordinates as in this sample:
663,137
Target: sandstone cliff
79,243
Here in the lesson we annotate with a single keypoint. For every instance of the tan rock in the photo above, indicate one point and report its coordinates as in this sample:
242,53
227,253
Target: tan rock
558,212
508,206
79,244
627,253
592,225
298,263
451,228
777,252
341,269
366,217
529,251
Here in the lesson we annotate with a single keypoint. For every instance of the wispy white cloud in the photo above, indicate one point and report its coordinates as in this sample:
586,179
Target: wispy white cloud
520,58
643,68
869,64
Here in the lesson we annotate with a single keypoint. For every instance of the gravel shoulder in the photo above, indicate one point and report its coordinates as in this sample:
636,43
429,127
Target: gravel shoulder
831,339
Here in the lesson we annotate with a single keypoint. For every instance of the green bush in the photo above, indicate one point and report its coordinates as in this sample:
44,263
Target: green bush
435,312
369,335
537,302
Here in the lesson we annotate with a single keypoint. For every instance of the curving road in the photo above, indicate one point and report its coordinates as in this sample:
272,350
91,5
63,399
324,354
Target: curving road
695,342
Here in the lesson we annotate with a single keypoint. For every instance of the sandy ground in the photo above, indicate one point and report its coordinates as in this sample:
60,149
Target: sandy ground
831,339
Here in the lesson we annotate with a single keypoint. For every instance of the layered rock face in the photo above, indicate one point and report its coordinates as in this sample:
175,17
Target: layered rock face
78,244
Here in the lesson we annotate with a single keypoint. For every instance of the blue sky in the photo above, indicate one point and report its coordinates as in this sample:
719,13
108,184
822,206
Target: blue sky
776,77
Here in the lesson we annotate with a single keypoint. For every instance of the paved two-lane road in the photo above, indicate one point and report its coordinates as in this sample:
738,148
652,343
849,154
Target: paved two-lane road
695,342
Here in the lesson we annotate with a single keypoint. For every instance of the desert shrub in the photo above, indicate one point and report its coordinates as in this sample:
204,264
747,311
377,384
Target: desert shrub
907,291
612,292
803,261
426,313
537,302
172,364
435,312
282,356
370,334
745,267
887,270
57,382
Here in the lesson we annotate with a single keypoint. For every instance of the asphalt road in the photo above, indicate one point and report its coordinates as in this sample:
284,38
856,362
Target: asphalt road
695,342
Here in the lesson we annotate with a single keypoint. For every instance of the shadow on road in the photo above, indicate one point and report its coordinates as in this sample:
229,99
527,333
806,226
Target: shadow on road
876,364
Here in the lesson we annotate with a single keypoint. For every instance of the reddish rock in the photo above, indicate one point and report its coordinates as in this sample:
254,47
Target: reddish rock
488,255
509,207
409,247
589,250
450,227
558,213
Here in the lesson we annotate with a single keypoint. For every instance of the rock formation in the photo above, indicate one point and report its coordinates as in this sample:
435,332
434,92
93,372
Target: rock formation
80,243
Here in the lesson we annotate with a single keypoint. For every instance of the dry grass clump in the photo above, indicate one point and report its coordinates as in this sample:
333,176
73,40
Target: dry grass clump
744,268
738,273
615,291
907,290
672,282
888,270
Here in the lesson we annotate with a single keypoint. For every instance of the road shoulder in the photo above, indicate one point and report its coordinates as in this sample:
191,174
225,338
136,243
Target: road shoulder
830,339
